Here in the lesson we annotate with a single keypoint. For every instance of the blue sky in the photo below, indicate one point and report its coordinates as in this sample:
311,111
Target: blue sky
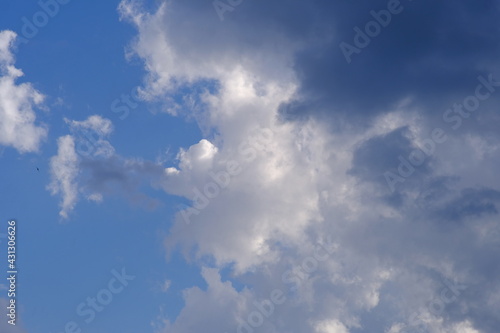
62,262
233,166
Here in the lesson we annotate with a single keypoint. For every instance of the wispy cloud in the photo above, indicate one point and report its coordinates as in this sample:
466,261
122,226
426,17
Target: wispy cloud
64,171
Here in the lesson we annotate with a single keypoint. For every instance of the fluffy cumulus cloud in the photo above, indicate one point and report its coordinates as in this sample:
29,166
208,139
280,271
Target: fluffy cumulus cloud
345,196
18,127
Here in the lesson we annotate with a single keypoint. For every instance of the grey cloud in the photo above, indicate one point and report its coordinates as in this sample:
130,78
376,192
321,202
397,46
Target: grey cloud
115,175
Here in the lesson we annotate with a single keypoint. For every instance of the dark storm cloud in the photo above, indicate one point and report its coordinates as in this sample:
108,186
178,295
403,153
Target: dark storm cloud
430,52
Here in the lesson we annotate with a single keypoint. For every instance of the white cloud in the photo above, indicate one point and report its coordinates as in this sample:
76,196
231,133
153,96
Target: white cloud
18,128
64,171
95,122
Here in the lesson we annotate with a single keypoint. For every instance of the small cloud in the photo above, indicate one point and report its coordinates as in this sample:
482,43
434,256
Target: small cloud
166,286
64,170
96,197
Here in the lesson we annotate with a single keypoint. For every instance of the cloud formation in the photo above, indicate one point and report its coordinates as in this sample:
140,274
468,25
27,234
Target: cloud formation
18,127
416,255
